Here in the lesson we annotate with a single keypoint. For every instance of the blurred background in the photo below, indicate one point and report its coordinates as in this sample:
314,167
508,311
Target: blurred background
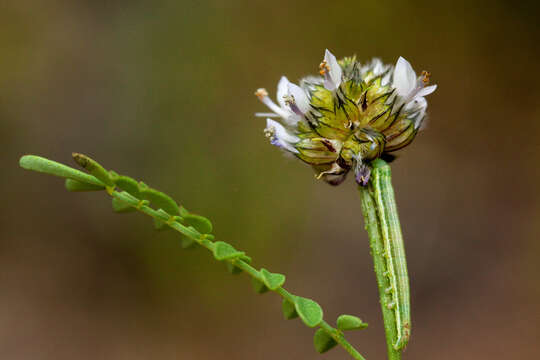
163,91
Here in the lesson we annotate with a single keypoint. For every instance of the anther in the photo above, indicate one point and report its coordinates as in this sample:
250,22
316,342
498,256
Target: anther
269,132
425,77
323,68
261,93
289,100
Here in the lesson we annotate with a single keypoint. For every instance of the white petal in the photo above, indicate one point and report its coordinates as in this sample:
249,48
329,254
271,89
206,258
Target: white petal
282,91
419,120
292,120
335,70
426,91
377,65
300,97
386,78
266,115
282,133
281,137
283,112
311,80
404,77
419,103
417,110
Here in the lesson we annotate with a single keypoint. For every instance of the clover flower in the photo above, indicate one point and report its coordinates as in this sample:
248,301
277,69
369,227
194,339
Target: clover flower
348,116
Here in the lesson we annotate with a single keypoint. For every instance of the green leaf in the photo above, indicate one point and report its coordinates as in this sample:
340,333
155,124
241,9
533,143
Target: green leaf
309,311
323,342
183,211
129,185
121,207
94,168
113,175
258,286
160,200
160,224
205,236
142,186
187,243
289,311
202,224
46,166
233,269
224,251
350,322
273,281
75,185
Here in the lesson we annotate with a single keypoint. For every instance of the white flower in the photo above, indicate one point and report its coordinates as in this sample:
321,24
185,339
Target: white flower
410,90
331,71
293,102
279,136
297,99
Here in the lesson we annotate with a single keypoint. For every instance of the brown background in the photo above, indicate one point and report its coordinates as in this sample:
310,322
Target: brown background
163,91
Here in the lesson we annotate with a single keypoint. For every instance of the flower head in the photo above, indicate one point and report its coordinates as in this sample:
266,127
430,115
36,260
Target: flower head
348,116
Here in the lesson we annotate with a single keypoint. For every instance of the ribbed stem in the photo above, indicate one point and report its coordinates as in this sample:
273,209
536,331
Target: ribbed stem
376,197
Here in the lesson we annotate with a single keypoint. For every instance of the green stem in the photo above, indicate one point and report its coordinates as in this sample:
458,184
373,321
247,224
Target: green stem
395,250
247,268
102,179
340,339
386,269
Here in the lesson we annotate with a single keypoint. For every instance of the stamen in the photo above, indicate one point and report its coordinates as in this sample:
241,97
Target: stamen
324,68
289,100
261,93
270,132
425,77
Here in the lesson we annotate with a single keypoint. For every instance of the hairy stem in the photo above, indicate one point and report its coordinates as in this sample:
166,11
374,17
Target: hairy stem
382,225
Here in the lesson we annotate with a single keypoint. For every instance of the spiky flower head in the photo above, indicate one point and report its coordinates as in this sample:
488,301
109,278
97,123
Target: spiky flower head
348,116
